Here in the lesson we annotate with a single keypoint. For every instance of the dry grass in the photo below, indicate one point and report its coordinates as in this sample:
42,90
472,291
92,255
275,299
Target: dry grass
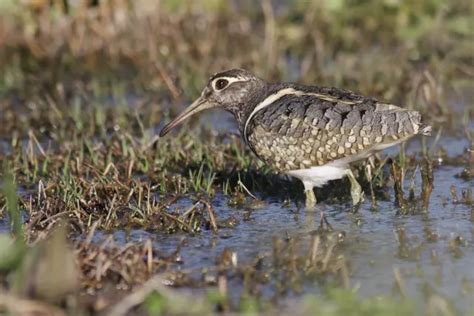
83,90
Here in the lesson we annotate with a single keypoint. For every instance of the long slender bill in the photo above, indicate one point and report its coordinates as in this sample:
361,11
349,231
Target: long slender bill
197,106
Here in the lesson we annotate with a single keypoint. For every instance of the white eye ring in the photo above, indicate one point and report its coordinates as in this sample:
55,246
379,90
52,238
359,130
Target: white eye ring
227,81
220,84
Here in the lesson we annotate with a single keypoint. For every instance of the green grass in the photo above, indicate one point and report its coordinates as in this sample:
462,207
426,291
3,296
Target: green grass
12,247
80,127
345,302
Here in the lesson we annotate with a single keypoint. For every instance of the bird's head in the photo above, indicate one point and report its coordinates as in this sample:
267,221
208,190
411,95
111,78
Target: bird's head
231,90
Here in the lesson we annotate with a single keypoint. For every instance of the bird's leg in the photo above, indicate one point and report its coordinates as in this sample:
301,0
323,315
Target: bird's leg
369,167
356,191
310,198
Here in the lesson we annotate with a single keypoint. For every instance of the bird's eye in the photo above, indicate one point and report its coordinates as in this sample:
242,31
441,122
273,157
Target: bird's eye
221,84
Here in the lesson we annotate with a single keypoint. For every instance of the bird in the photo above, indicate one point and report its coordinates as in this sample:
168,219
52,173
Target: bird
312,133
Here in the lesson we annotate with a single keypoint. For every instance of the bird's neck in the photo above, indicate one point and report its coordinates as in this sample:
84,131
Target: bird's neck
243,110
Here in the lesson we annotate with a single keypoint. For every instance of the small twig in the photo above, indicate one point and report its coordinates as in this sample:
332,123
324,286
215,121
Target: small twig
38,145
168,82
246,190
130,168
188,227
107,169
192,208
90,235
270,34
212,217
53,217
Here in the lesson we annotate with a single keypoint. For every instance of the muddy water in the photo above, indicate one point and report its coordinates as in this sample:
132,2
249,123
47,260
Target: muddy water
438,252
437,256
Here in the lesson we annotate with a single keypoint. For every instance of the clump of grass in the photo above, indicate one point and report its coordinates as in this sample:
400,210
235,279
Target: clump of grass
84,91
13,248
200,181
411,203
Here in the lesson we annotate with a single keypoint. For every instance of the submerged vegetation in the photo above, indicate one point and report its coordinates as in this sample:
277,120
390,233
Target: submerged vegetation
142,224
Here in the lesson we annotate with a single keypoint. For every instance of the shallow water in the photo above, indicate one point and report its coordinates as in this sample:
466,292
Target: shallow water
371,244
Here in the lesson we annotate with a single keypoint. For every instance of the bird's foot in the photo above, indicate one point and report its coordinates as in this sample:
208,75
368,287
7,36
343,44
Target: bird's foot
357,195
356,190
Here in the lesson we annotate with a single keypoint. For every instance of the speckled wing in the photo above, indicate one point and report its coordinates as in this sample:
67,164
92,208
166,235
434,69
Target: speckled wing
302,127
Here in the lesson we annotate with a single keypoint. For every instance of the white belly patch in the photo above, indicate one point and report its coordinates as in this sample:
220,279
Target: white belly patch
319,176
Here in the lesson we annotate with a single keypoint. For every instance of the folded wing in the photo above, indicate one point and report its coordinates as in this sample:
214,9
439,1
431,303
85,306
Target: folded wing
313,128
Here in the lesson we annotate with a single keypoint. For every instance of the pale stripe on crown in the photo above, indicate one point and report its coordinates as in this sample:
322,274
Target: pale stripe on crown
230,79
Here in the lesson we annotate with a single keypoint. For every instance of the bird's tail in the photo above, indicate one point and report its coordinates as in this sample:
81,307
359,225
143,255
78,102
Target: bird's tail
425,130
418,126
